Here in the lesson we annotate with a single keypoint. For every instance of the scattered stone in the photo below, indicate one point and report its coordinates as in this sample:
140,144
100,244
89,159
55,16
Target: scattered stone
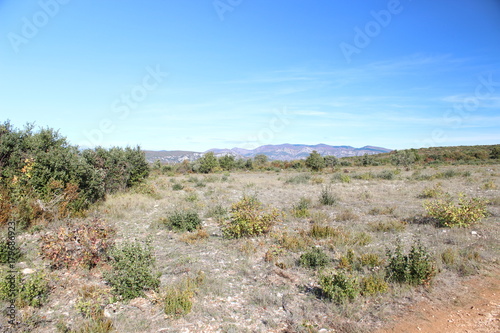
28,271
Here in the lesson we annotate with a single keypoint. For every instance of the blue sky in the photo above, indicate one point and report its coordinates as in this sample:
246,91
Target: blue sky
200,74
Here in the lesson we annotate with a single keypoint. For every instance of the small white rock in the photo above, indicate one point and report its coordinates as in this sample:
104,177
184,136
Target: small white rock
474,233
28,271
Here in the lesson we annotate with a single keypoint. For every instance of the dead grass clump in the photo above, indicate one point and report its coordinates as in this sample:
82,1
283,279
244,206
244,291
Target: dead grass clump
388,210
194,237
388,226
346,215
294,242
323,231
91,301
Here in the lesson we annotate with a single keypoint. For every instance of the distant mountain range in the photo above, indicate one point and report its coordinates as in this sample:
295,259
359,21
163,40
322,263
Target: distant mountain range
284,152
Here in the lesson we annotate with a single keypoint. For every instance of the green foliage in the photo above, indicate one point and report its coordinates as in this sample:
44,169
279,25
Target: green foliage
177,187
315,161
178,298
249,218
432,192
25,290
302,178
293,242
91,301
495,153
184,220
227,162
301,209
208,162
416,267
323,231
218,212
463,214
314,258
388,226
373,284
386,174
260,160
132,271
78,244
43,177
9,251
327,197
331,161
405,157
339,286
340,177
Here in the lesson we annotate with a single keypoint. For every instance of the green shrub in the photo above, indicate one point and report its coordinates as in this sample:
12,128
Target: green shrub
177,187
301,209
416,267
386,174
448,214
248,218
91,301
339,286
293,242
10,251
387,226
218,212
299,179
342,178
323,231
178,298
132,270
388,210
314,258
82,244
315,161
184,220
28,290
373,284
327,197
431,192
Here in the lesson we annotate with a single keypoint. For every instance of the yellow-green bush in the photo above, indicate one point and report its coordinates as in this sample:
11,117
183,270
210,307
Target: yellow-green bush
250,218
463,214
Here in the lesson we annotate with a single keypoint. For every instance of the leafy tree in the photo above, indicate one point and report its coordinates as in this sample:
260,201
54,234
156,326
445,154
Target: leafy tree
260,159
227,162
208,162
495,153
315,161
331,161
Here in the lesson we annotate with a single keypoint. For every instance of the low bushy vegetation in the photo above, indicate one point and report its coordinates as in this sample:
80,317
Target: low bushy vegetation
25,290
43,177
327,197
178,297
463,214
82,244
339,286
416,267
183,220
314,258
249,218
132,270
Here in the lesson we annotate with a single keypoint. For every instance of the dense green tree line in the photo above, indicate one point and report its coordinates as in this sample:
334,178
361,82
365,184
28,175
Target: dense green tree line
43,176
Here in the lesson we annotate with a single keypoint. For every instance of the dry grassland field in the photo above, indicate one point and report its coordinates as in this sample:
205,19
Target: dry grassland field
341,225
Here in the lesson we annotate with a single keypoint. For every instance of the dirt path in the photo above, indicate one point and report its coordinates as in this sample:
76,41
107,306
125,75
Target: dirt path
477,310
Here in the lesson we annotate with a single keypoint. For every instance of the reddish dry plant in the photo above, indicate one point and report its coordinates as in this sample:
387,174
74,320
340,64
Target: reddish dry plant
83,244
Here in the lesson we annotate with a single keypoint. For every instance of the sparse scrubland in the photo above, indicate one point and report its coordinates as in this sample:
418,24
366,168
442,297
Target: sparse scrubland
260,246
